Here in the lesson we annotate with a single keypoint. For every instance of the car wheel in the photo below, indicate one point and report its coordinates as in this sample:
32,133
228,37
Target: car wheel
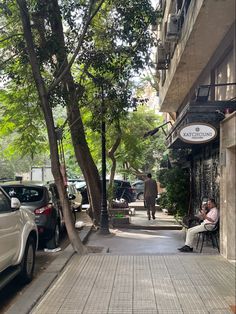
28,262
140,196
55,240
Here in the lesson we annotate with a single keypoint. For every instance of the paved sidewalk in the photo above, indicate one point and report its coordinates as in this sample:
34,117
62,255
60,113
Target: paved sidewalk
143,273
142,285
162,221
139,220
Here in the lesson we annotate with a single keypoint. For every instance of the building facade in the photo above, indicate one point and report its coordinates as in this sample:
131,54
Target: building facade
196,69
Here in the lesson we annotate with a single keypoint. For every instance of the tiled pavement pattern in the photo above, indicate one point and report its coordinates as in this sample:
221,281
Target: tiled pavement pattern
142,284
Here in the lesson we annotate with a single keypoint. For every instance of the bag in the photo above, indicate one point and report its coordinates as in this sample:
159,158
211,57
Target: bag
119,204
191,221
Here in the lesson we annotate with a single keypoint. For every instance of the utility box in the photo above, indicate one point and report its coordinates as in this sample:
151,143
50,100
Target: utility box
41,174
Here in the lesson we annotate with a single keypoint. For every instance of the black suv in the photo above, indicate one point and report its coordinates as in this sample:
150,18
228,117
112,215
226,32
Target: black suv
122,189
44,202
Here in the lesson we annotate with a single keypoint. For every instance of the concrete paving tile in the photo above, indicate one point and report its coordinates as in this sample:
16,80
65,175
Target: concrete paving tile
144,311
68,310
165,294
195,311
124,311
168,304
220,311
130,284
184,288
207,292
215,303
169,311
231,299
164,285
92,311
201,283
120,310
101,291
119,306
190,301
43,310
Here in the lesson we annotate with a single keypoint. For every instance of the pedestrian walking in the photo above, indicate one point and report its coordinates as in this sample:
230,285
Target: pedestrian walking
150,194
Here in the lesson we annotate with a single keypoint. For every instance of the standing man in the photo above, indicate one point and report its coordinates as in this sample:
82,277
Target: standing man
150,194
209,217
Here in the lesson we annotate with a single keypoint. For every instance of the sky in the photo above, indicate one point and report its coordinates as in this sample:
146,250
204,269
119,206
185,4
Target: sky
154,3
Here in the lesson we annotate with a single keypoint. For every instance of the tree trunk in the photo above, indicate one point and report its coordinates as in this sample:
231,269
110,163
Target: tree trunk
47,111
111,155
81,149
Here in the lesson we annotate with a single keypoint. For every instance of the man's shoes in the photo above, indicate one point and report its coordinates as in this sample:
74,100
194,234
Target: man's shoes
186,249
180,248
149,217
153,217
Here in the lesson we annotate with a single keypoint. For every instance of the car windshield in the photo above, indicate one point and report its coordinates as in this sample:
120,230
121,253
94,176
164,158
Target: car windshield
26,194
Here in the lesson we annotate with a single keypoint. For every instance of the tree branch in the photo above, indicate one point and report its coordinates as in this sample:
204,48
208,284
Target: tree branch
9,37
87,23
30,47
5,61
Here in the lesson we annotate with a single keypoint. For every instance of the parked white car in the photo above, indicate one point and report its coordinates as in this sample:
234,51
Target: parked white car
74,196
18,240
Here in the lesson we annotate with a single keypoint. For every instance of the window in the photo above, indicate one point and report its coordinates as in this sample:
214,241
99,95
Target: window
225,73
4,203
25,194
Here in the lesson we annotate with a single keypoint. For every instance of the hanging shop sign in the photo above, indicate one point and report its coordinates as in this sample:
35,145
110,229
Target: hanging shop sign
197,133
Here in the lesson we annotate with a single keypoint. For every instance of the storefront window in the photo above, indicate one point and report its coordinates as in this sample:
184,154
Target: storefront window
225,73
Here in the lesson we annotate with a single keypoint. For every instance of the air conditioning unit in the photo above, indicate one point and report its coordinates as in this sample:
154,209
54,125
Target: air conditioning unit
172,29
161,58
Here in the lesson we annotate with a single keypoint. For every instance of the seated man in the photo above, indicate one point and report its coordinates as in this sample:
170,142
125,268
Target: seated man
211,217
190,221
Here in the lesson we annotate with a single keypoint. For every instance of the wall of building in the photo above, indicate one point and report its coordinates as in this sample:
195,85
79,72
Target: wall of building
204,53
191,52
227,187
206,175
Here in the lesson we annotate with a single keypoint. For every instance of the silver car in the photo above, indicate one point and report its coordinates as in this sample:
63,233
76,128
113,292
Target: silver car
18,240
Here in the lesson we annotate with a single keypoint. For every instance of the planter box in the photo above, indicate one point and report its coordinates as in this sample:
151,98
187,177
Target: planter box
122,211
119,211
120,221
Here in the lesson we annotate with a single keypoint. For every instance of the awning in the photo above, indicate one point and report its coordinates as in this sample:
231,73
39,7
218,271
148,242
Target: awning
210,112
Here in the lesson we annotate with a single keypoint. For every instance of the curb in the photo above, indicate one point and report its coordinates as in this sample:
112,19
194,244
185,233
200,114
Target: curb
40,285
140,227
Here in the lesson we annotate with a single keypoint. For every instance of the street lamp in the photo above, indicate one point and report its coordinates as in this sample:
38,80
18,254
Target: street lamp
203,93
104,226
154,131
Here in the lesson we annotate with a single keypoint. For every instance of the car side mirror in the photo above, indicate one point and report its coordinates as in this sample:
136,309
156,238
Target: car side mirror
71,197
15,203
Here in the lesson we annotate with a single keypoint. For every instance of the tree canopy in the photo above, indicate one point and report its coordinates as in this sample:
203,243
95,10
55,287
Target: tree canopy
71,54
115,46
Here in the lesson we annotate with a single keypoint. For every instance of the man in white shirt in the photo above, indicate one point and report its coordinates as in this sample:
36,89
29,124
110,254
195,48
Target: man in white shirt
210,218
